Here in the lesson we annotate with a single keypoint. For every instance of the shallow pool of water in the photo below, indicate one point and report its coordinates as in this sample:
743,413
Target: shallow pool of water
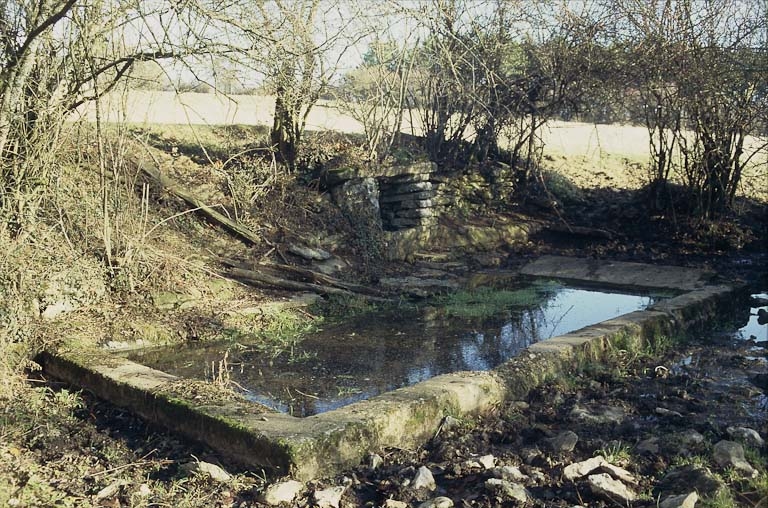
754,330
377,352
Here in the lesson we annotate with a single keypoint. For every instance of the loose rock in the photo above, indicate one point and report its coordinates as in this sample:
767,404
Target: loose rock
649,446
613,490
375,461
423,480
509,473
438,502
690,437
747,435
691,477
110,490
487,461
581,469
507,489
598,413
211,470
731,454
329,498
450,423
391,503
282,492
662,411
309,253
563,442
682,501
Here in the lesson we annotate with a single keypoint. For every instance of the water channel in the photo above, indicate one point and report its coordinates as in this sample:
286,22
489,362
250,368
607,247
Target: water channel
379,351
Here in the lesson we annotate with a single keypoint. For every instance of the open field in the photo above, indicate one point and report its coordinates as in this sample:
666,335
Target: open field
148,107
591,155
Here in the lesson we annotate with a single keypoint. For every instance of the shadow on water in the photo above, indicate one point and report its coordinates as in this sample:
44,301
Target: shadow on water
376,352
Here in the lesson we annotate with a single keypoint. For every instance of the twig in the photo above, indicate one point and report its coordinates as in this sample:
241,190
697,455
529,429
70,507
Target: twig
306,394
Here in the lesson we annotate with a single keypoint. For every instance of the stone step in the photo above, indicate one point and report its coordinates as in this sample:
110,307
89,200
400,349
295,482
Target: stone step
410,203
395,197
401,179
404,188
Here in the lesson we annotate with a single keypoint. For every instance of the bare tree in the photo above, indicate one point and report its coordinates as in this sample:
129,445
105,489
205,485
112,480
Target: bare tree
297,47
375,93
58,54
701,69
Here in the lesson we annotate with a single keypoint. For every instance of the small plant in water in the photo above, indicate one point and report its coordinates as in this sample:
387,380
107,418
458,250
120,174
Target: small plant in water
219,373
345,391
487,301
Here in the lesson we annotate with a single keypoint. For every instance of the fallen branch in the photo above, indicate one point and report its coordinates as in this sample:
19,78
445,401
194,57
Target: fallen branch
322,278
218,218
311,276
252,276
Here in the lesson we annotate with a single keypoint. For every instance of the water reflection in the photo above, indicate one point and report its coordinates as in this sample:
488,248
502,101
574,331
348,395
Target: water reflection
376,353
753,329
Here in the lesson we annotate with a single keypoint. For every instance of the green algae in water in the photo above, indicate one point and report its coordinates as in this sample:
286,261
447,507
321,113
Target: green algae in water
374,352
484,302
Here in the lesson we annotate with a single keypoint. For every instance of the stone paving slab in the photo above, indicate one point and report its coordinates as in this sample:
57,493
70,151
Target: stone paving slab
619,273
323,444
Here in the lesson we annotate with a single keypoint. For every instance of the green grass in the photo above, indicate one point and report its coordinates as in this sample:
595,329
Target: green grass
485,302
205,143
617,453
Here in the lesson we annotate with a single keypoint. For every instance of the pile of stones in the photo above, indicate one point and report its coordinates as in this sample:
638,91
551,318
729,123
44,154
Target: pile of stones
407,201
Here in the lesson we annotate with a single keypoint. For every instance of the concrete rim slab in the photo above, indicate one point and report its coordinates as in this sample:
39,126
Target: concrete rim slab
323,444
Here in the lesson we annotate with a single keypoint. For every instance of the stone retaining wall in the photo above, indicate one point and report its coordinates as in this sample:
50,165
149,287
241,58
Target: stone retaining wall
323,444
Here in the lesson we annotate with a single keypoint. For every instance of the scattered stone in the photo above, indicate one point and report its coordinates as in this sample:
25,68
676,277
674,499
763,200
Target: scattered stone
683,501
690,477
563,442
582,469
487,461
211,470
308,253
144,490
529,454
391,503
612,490
667,412
423,480
507,489
749,436
282,492
690,437
511,473
110,490
331,266
731,454
598,413
649,446
450,423
375,461
471,464
329,498
438,502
